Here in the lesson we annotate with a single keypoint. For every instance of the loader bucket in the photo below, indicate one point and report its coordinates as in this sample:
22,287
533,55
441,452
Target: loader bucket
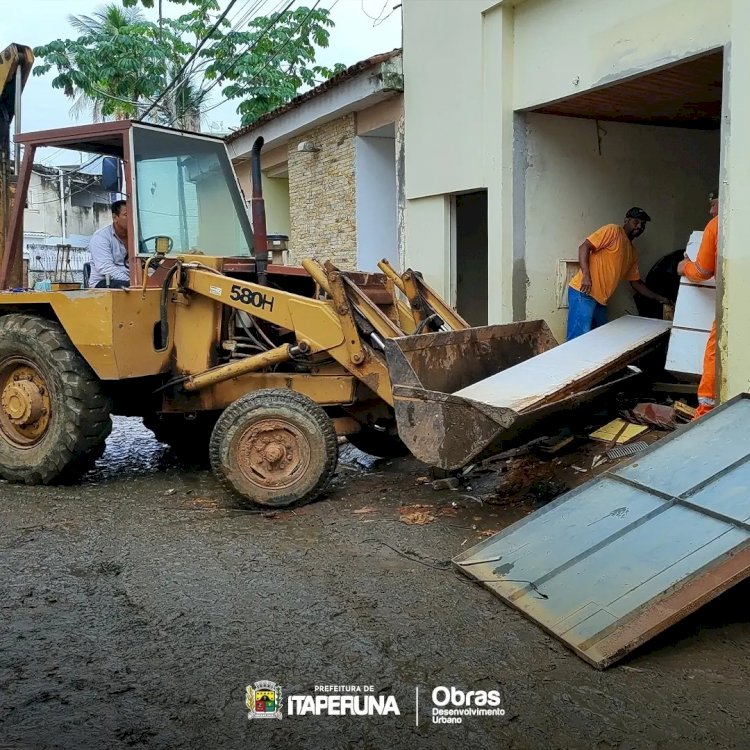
450,431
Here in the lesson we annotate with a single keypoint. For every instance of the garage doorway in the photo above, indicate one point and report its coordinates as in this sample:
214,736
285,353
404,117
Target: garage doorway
470,256
651,141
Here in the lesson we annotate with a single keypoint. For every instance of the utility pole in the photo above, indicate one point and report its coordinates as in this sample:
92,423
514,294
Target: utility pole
62,205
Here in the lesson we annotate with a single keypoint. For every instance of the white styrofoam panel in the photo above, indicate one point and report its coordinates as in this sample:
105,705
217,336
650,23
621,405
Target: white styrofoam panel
693,245
692,248
521,386
696,307
685,352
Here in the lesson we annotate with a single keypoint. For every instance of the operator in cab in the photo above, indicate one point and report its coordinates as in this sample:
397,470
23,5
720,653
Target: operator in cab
607,257
109,252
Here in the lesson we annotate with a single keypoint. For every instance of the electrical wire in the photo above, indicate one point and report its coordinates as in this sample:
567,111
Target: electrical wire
268,62
243,52
177,78
374,18
383,20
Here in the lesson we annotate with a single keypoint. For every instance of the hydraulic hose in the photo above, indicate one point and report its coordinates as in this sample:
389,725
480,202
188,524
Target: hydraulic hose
163,305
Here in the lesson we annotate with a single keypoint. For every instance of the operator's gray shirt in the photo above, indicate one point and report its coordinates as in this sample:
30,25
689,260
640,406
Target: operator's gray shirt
108,256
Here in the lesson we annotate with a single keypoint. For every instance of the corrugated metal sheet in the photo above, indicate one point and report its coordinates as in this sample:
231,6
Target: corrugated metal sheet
687,94
611,564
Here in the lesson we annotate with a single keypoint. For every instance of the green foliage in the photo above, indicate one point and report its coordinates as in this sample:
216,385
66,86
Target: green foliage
280,60
120,61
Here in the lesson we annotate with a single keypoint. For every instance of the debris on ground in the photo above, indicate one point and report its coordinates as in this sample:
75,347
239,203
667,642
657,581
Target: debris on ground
420,514
626,450
447,483
555,444
617,432
683,412
653,415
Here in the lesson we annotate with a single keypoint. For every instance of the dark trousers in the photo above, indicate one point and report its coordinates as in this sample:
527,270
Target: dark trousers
113,284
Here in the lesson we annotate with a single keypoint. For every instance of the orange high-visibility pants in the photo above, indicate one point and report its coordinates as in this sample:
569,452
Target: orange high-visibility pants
707,387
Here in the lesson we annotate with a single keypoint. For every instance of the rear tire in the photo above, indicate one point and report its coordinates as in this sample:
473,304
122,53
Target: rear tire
54,415
274,447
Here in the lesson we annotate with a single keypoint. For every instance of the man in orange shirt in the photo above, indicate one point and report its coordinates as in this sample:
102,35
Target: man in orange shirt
703,269
607,257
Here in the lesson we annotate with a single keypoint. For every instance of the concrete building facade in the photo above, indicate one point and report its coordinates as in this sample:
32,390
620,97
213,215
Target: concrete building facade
530,123
62,209
330,166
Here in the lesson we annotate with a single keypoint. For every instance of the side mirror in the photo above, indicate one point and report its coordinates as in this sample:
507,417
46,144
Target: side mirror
111,181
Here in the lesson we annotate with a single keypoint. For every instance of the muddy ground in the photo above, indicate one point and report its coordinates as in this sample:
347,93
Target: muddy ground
136,607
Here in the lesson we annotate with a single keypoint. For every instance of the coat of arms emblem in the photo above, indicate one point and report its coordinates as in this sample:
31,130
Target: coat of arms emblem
263,700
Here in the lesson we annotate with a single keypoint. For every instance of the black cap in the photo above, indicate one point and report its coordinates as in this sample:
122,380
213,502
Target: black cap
637,213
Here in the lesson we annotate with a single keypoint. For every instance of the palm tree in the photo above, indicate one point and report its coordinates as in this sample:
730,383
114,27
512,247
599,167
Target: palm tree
119,74
185,105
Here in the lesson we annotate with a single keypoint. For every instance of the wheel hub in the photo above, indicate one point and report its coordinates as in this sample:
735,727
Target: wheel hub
24,402
273,453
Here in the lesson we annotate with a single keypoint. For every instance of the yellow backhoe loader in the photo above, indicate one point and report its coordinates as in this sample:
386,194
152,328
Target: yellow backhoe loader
260,365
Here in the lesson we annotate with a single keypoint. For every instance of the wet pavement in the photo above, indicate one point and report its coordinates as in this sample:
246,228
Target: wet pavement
136,607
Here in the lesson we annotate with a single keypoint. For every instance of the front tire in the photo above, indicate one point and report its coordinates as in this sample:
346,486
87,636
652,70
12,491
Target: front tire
274,447
54,415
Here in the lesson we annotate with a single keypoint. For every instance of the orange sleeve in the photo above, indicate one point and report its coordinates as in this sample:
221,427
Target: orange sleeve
704,266
602,237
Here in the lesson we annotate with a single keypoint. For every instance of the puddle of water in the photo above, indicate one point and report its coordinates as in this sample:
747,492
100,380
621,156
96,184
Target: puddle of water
132,450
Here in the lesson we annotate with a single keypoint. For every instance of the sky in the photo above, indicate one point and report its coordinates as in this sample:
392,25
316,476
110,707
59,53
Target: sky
355,37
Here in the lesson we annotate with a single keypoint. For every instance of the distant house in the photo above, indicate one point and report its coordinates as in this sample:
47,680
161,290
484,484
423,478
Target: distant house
50,221
332,166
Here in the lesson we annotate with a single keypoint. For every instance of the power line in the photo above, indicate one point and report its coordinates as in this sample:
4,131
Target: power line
268,62
374,18
247,50
190,59
282,48
383,20
236,26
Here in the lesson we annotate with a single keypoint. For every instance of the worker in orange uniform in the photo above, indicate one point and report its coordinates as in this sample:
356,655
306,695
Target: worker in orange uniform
703,269
607,257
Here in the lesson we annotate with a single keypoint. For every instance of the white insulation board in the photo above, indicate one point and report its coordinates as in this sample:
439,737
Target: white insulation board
520,387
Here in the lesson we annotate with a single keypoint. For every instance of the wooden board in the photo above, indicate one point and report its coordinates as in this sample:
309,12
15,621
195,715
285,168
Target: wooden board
568,368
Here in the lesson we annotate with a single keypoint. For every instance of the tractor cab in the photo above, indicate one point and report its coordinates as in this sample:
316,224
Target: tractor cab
182,193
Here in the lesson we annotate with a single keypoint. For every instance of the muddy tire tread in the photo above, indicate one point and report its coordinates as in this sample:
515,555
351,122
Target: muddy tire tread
87,409
276,398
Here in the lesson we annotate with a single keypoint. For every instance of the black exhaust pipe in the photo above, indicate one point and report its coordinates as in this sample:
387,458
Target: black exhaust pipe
260,239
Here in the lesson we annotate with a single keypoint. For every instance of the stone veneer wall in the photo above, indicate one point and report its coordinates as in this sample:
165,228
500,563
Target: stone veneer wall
322,199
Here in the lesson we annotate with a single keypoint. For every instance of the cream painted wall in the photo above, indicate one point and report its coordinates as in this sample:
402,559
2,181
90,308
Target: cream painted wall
564,47
734,220
428,236
443,74
571,190
275,193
